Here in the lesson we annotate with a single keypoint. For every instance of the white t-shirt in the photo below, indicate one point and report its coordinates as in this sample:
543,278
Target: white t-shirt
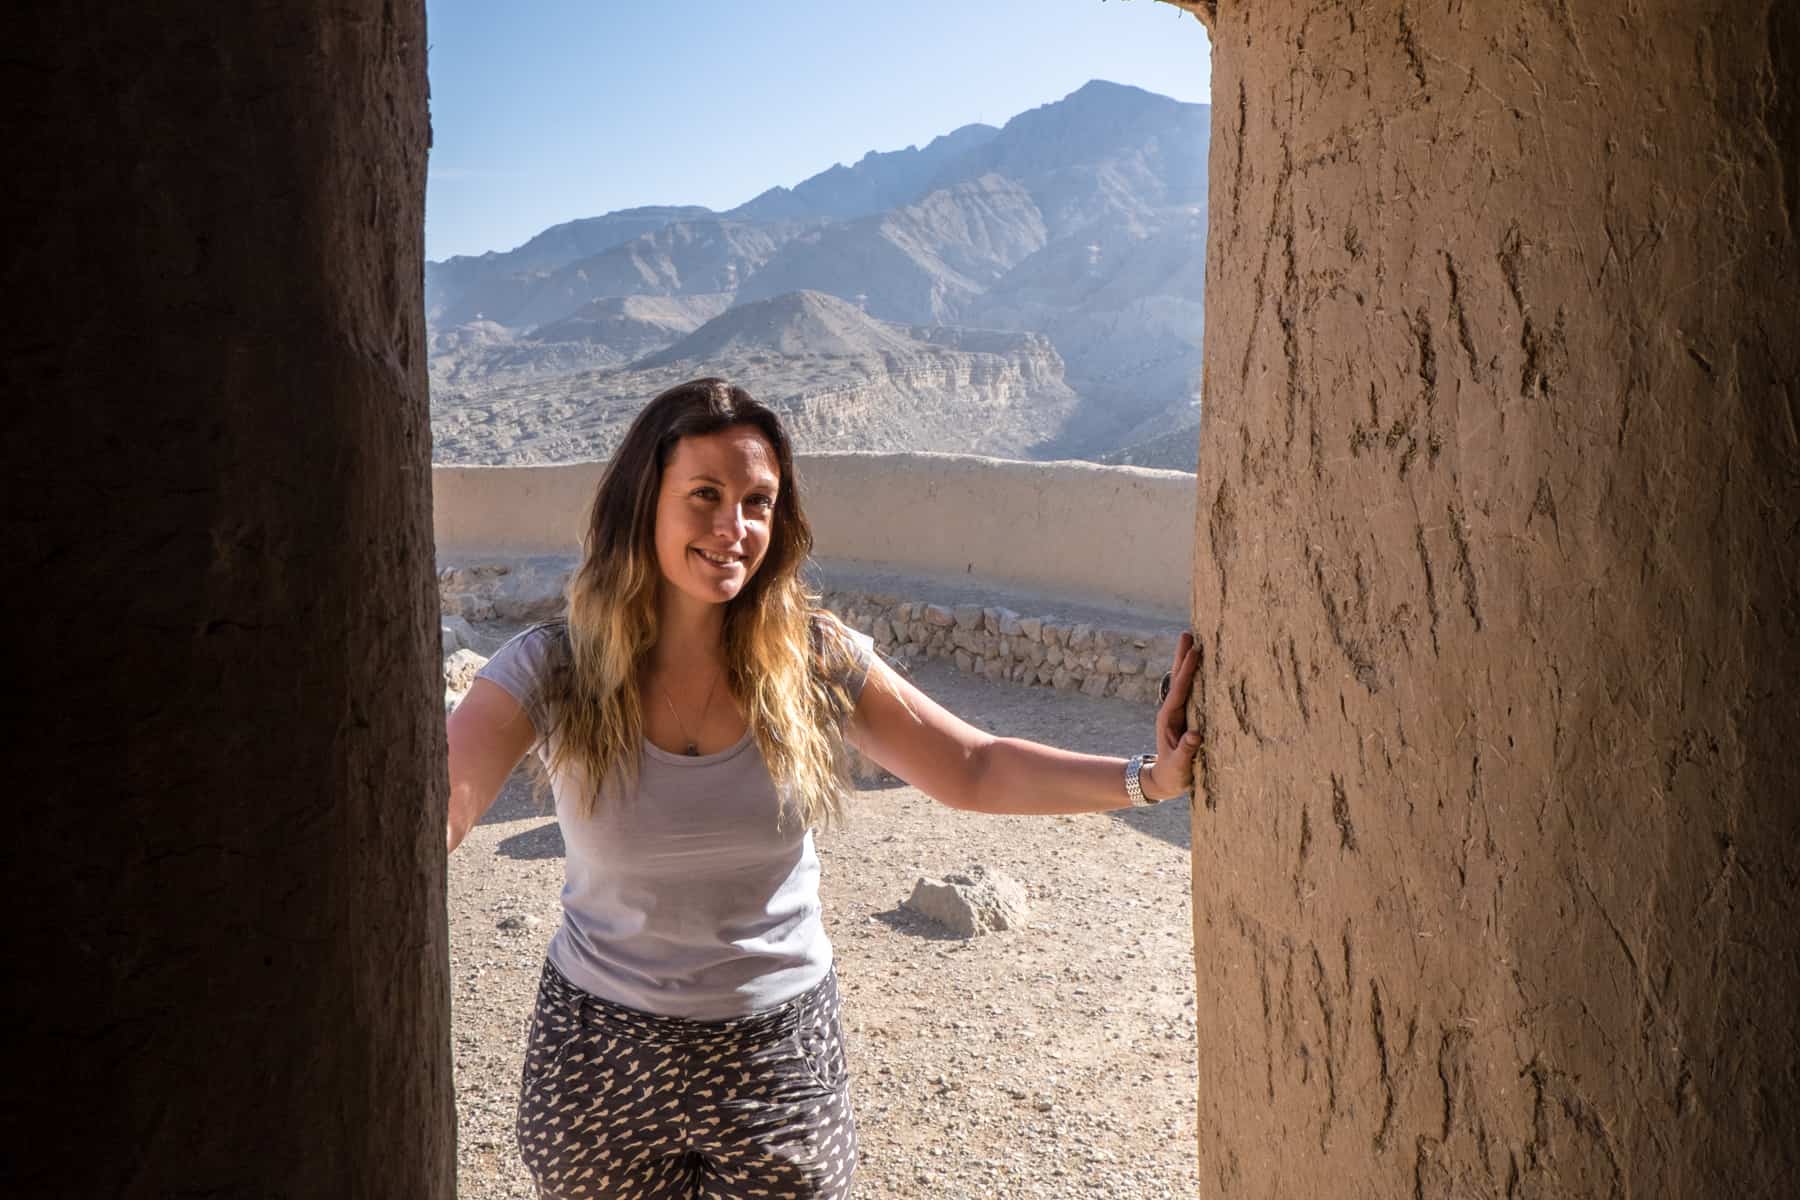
682,897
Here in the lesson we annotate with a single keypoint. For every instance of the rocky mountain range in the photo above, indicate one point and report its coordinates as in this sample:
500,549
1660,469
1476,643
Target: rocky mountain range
842,379
1033,290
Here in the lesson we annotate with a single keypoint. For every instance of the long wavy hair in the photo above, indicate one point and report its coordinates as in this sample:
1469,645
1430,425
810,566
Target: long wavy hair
786,660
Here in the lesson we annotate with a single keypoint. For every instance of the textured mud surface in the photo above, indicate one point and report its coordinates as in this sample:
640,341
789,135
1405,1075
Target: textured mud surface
1053,1060
217,446
1497,575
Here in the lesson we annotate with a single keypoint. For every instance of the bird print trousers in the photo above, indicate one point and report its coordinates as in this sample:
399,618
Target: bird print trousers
617,1104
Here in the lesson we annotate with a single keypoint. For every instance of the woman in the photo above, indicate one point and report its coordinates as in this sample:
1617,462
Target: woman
692,712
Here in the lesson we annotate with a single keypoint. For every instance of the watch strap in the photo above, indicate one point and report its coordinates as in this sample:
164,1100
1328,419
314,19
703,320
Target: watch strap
1134,788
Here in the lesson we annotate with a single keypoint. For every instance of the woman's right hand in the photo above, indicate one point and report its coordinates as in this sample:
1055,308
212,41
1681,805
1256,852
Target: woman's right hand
1176,744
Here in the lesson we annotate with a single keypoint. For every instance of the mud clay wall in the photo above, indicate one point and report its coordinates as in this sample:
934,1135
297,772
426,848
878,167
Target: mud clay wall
1495,864
1074,530
227,951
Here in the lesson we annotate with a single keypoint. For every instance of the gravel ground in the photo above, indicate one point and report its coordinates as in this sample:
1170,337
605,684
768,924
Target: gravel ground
1053,1060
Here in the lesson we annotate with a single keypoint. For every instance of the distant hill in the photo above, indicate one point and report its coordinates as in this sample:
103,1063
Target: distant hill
1176,450
1081,222
557,246
601,333
843,379
647,321
686,257
923,263
792,324
1106,151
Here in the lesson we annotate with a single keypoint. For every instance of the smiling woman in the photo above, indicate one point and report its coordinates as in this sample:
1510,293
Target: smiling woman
693,711
712,519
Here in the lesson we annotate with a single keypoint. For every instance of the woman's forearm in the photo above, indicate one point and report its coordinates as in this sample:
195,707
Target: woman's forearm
465,809
1021,777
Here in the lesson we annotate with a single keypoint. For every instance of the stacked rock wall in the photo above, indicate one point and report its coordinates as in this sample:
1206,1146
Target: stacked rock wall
1005,647
1123,658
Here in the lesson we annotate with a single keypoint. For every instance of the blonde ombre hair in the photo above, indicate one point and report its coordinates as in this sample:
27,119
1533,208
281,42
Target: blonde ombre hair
786,660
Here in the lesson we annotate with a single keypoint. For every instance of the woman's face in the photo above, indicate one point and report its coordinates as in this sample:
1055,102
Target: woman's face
715,512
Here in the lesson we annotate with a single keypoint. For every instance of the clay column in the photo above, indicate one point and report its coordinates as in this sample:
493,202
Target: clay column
1498,574
228,939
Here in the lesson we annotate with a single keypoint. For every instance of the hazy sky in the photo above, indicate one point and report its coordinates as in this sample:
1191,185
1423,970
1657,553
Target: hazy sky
547,110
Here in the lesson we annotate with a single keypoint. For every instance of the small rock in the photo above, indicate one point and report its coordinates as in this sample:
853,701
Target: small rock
968,616
1032,628
460,669
523,590
938,615
968,904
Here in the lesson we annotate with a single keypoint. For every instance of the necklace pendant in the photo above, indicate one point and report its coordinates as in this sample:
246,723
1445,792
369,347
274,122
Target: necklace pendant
693,751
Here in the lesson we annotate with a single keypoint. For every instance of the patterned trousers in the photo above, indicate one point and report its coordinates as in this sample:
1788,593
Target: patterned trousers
618,1104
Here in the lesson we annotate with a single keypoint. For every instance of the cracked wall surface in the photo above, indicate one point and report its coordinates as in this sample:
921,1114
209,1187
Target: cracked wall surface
229,951
1497,566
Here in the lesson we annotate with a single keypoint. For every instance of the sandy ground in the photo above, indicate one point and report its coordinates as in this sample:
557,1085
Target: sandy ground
1054,1060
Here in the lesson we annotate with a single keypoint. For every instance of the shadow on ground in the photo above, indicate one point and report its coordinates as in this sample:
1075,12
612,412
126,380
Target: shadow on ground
904,920
1169,821
546,841
519,800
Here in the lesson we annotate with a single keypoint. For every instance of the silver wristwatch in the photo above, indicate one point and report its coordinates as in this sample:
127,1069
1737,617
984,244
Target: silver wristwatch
1134,768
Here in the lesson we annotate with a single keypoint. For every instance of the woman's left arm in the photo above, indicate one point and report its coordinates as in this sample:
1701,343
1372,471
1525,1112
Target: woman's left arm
951,761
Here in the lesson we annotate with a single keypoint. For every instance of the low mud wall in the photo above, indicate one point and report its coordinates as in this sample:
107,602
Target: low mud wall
1115,536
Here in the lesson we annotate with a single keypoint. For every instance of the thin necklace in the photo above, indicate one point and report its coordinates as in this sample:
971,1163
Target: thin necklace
693,747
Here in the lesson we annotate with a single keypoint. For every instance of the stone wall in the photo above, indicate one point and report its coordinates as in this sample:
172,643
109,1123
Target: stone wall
1123,658
1008,647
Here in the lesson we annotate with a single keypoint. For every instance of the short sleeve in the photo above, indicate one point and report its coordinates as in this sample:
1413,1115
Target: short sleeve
862,657
527,668
855,660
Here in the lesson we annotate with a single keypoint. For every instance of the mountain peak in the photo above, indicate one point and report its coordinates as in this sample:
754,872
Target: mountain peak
1105,96
1103,87
880,180
793,323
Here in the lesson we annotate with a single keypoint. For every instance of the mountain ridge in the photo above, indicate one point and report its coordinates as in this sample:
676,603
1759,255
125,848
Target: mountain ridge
1080,223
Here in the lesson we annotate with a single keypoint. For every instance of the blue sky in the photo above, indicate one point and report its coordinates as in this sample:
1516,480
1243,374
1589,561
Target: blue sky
547,110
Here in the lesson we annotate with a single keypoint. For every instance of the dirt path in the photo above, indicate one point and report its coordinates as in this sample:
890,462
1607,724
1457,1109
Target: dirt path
1055,1060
